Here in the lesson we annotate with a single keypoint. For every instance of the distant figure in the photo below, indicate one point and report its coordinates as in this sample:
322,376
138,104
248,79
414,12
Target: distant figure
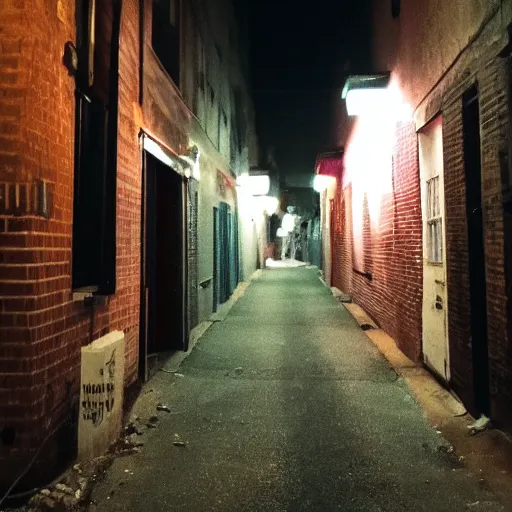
287,232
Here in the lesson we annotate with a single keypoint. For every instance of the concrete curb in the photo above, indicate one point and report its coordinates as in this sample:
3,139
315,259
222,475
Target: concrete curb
175,361
427,391
488,454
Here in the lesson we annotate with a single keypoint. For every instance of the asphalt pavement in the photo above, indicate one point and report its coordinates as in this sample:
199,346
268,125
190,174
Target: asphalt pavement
286,405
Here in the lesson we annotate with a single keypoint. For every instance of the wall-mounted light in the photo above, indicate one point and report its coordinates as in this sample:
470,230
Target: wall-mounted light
191,157
268,204
158,152
321,182
257,185
366,94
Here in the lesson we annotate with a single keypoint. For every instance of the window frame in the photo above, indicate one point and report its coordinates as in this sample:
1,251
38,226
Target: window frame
395,9
434,221
166,38
93,262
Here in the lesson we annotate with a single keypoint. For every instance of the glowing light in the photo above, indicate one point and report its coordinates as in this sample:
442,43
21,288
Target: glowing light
158,152
266,203
320,183
256,185
366,101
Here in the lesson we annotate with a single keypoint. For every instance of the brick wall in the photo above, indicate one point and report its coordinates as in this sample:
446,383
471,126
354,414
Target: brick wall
391,247
42,329
491,75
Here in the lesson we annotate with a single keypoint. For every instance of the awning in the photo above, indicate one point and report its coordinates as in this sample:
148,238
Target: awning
329,164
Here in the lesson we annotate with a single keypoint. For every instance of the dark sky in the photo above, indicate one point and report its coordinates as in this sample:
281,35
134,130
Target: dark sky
300,54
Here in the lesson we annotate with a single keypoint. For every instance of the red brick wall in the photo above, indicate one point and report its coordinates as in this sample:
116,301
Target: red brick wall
491,76
392,251
42,329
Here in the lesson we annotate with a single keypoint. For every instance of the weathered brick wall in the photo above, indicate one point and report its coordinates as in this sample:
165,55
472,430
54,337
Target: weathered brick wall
491,75
36,112
392,250
493,81
124,307
42,329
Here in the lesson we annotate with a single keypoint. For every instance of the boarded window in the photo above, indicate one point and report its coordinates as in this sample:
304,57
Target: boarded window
434,222
165,36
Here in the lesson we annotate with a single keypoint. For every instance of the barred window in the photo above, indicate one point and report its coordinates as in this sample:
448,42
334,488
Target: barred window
434,222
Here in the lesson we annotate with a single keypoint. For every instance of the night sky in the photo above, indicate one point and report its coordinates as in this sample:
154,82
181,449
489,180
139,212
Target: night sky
300,55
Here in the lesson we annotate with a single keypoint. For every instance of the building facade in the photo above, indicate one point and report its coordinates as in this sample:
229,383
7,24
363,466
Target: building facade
420,222
123,127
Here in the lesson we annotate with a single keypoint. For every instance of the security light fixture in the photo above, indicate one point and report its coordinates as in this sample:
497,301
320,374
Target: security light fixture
366,94
322,182
256,185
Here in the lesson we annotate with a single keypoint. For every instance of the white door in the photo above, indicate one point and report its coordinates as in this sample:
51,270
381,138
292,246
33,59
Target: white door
435,332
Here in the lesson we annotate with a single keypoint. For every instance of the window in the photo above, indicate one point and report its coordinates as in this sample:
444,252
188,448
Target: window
165,36
94,202
395,8
434,222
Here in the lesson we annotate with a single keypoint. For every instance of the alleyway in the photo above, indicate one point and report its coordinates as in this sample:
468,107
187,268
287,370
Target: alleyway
287,406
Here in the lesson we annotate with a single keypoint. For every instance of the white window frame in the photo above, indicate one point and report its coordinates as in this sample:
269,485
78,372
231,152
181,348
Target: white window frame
434,222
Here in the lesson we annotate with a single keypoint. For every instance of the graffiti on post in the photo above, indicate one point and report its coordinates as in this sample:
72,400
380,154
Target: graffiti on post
98,397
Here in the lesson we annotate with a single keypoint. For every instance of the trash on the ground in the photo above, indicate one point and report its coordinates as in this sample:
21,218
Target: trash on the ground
163,408
239,370
480,425
179,375
133,440
151,425
132,428
180,444
446,448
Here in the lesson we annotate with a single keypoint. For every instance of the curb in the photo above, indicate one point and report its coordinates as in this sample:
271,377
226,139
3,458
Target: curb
173,364
429,393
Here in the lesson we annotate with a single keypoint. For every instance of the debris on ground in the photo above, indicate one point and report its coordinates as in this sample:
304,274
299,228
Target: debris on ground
339,296
480,425
163,408
73,490
239,370
445,448
180,444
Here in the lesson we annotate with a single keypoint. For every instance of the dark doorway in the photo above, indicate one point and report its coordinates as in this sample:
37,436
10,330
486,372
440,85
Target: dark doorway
476,249
163,298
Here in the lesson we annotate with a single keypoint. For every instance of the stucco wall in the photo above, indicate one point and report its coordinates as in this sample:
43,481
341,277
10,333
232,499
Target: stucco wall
423,42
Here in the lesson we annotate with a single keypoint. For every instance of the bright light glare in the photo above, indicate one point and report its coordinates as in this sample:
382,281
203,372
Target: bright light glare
156,150
366,101
256,185
320,183
267,203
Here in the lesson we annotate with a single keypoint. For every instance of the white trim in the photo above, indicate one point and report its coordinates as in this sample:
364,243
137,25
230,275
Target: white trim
161,153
